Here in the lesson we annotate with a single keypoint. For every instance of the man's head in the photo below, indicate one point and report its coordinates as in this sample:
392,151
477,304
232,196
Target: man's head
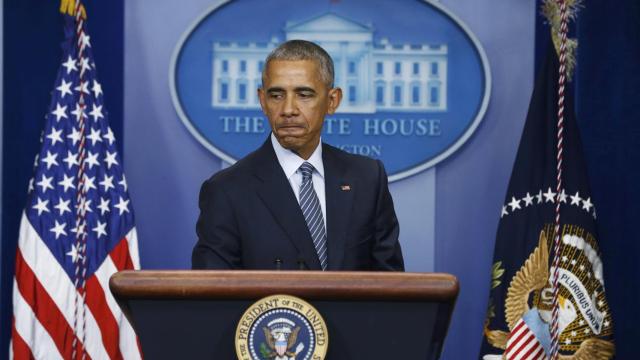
297,93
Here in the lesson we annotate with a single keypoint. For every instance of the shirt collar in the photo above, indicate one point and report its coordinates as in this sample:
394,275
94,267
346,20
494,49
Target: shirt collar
290,161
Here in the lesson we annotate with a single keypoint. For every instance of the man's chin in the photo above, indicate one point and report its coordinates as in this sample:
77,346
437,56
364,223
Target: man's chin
290,142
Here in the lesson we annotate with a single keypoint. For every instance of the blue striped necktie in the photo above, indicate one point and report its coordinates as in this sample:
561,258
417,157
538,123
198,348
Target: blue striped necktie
312,212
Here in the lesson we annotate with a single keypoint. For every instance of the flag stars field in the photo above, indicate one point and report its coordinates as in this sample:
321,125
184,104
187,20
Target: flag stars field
60,112
58,229
100,229
104,205
67,183
62,206
82,87
92,160
97,88
109,136
71,159
122,206
45,183
78,112
514,204
94,137
74,136
84,66
54,136
50,160
107,183
549,196
110,159
41,206
65,88
545,198
562,197
74,254
70,65
96,112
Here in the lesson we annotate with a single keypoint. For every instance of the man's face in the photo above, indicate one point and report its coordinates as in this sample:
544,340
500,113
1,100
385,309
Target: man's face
296,100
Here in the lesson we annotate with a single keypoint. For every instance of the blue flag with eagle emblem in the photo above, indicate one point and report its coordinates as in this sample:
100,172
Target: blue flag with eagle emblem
518,319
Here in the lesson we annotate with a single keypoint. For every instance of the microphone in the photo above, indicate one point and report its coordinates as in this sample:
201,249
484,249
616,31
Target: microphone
301,264
278,263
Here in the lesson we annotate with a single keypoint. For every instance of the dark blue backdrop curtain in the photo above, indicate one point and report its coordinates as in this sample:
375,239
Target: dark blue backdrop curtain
33,32
607,93
608,110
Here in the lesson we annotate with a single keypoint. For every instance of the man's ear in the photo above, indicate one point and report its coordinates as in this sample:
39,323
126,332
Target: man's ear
335,97
261,98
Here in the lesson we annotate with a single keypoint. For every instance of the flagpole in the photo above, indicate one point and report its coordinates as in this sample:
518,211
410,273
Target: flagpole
555,336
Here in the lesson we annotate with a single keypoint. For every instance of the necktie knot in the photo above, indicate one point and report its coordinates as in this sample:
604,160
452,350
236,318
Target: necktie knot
306,169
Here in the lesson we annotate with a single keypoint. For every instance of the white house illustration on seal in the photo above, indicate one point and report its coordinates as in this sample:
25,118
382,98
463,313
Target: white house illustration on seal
374,76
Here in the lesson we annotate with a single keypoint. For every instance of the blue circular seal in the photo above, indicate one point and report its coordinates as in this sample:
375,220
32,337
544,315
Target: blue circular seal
415,79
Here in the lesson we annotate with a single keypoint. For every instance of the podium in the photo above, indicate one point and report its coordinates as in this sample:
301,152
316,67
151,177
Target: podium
369,315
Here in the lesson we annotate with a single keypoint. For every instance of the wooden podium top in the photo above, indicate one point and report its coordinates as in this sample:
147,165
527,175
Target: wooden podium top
317,285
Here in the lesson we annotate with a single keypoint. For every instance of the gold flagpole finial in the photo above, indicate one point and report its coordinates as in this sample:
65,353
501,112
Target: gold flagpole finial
68,7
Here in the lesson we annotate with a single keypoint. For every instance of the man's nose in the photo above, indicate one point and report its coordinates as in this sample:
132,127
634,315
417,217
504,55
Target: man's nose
290,107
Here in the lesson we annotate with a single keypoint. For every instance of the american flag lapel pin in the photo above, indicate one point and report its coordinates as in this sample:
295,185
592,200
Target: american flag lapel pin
345,187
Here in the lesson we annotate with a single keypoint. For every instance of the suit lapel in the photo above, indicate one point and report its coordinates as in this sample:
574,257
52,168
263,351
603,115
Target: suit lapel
276,193
339,190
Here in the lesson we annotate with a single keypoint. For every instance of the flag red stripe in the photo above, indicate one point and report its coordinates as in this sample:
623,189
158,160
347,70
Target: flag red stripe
20,348
528,355
539,355
122,260
513,343
109,328
44,307
120,255
519,325
524,344
139,347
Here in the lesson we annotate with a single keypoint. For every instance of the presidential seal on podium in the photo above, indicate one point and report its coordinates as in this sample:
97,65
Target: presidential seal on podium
281,327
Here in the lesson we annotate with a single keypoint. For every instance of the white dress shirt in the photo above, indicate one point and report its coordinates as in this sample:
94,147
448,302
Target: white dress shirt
291,162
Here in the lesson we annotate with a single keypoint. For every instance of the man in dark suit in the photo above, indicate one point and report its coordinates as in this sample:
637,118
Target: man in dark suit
297,203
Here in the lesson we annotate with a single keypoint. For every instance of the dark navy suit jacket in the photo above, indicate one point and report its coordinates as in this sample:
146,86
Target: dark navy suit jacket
250,218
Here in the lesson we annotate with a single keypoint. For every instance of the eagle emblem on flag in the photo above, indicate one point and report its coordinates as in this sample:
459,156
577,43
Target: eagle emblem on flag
583,314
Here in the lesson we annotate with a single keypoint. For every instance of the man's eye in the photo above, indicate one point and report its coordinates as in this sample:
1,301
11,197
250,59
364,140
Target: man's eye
276,96
305,94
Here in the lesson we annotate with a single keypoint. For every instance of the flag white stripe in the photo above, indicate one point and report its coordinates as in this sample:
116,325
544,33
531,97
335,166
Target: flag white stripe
93,338
31,330
128,344
514,336
132,241
523,351
47,269
128,339
532,355
58,285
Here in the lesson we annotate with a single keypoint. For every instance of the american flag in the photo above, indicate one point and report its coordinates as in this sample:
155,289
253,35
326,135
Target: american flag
77,228
528,339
